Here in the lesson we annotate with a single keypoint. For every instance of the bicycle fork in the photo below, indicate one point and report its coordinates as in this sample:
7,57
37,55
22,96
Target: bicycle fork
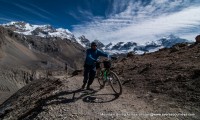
107,78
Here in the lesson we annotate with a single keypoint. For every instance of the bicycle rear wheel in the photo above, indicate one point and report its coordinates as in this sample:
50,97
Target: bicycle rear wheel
115,83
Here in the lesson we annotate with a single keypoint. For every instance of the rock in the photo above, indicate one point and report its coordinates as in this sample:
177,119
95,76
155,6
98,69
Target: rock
196,73
123,59
181,44
197,39
174,49
154,91
130,54
76,72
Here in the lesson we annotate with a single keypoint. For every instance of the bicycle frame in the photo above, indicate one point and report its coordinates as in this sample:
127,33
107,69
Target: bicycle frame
105,72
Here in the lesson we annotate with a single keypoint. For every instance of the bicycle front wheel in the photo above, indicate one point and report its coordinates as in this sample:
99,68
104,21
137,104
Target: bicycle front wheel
115,83
100,79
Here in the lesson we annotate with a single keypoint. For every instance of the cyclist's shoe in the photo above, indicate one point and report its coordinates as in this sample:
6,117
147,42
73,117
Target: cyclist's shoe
83,86
88,88
102,86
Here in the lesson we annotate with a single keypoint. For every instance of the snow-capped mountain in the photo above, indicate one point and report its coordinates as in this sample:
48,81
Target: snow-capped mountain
39,30
86,43
99,44
165,42
83,41
124,47
170,40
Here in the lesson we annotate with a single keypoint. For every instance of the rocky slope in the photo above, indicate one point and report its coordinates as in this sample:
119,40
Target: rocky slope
24,58
171,75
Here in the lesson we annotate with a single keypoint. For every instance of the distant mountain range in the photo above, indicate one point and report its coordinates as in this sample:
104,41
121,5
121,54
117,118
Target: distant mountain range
120,47
125,47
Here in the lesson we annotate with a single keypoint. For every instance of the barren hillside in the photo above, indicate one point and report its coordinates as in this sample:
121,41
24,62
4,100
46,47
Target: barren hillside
168,78
26,58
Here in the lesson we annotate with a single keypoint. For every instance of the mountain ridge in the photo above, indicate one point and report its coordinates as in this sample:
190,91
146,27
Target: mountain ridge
48,31
39,30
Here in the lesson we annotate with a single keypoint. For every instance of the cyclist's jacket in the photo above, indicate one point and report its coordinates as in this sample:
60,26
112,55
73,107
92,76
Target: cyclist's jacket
93,55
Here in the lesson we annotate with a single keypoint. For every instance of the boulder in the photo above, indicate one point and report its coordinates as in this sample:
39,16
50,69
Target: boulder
197,39
175,49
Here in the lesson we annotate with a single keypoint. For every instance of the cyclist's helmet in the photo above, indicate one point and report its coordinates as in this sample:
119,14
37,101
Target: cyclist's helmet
93,44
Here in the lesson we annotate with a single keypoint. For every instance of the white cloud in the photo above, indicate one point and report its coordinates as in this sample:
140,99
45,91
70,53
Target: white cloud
32,11
5,20
142,23
82,15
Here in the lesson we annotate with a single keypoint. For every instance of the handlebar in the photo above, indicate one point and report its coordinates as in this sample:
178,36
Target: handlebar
107,63
111,58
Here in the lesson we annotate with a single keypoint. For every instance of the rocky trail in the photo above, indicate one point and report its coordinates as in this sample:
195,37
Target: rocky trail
61,98
100,103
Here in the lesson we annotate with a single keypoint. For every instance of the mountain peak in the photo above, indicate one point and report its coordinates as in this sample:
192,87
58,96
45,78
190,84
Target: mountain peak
83,41
170,40
22,27
99,43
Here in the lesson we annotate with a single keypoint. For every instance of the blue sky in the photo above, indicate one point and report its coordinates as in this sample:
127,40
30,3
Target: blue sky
58,13
110,20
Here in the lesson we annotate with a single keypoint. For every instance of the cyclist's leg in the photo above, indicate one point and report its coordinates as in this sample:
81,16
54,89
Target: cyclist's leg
92,74
97,73
86,76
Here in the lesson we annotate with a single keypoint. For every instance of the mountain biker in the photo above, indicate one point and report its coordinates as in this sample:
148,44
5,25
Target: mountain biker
92,56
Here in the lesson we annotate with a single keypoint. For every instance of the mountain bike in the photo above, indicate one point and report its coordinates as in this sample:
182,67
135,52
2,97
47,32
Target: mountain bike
106,75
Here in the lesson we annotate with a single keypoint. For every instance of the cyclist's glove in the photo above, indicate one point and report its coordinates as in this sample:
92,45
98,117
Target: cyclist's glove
96,61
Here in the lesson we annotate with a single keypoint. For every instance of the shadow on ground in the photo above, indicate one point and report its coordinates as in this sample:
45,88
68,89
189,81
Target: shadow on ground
65,97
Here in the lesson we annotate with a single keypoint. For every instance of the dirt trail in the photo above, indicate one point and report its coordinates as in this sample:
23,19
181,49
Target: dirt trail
100,103
71,103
